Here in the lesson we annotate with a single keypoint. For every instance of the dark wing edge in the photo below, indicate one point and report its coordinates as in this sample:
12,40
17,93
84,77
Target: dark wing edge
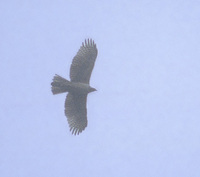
76,112
83,63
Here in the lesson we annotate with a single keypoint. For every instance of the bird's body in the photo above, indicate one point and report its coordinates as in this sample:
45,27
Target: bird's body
60,85
78,88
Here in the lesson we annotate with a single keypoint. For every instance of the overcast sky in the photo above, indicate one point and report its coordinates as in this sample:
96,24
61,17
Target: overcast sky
143,121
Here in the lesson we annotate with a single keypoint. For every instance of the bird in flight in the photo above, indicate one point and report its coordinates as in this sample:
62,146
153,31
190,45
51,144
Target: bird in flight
78,87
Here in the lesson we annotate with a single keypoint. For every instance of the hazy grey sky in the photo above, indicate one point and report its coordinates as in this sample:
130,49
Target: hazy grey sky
144,121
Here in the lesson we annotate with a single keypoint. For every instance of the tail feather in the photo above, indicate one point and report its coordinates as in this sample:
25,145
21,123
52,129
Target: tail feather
59,85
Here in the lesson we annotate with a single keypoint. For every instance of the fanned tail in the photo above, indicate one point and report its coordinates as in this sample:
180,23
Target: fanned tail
59,85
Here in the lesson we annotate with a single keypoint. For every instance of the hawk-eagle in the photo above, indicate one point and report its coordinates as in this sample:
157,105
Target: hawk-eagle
78,87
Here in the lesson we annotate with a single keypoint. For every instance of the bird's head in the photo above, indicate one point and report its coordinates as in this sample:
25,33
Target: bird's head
92,89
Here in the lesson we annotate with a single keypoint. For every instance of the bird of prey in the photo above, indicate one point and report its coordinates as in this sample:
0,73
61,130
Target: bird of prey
78,87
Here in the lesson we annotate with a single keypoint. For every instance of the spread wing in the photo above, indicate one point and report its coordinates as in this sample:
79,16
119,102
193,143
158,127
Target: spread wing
83,63
76,112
